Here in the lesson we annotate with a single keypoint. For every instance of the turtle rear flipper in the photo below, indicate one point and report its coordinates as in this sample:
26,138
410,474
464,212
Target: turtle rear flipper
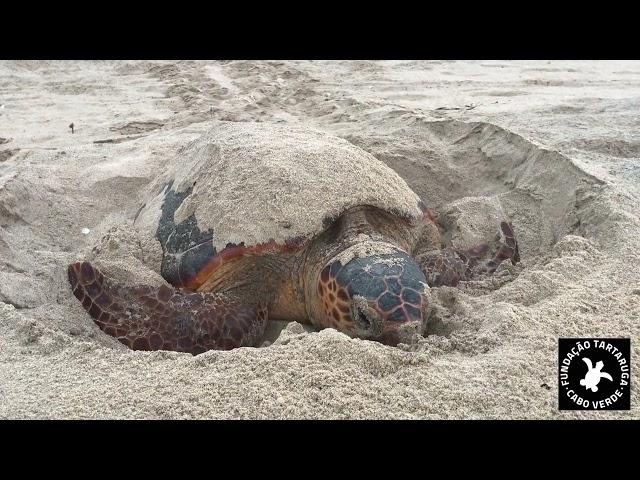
451,265
151,318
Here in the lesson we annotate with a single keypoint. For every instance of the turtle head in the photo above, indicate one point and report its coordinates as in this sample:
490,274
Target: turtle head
378,297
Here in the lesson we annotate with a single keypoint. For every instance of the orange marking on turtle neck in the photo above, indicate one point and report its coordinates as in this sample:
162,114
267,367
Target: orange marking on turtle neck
233,252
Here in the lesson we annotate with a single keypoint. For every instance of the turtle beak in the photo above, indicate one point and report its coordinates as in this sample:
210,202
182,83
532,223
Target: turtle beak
401,333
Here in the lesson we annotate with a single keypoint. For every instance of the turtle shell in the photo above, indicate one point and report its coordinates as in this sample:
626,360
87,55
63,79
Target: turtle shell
254,185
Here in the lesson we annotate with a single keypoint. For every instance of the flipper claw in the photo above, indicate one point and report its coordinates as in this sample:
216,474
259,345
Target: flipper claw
450,266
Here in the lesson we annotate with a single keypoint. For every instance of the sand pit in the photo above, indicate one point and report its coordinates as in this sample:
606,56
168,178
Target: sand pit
552,145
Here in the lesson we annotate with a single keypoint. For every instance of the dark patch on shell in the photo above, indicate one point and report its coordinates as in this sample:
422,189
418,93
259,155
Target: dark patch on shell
186,248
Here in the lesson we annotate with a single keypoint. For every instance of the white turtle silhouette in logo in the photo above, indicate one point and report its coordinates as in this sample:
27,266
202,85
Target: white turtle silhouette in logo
593,376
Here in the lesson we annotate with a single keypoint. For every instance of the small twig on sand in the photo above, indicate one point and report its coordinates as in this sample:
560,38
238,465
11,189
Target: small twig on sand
471,106
71,127
119,139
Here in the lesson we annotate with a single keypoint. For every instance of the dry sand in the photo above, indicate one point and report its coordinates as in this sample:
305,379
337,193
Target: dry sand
555,145
276,182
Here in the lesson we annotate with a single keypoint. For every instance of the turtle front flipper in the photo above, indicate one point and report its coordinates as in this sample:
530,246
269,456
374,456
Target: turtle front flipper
450,265
163,318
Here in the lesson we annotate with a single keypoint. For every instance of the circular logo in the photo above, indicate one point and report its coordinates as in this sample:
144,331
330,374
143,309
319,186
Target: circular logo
594,374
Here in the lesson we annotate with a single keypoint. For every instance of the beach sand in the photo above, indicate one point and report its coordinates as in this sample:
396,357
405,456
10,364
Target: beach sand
554,145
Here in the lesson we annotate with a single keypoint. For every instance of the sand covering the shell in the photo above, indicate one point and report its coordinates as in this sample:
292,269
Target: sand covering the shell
256,182
554,146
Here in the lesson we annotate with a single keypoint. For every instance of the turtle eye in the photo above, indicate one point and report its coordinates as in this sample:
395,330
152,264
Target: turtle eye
367,322
362,320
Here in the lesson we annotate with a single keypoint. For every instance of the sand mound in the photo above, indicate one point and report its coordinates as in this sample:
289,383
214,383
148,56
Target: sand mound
256,182
491,349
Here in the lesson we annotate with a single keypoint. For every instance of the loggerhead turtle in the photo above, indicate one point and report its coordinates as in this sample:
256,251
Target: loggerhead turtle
265,221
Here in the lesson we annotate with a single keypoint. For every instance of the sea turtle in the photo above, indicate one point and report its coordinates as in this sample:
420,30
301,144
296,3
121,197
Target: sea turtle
265,221
593,375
